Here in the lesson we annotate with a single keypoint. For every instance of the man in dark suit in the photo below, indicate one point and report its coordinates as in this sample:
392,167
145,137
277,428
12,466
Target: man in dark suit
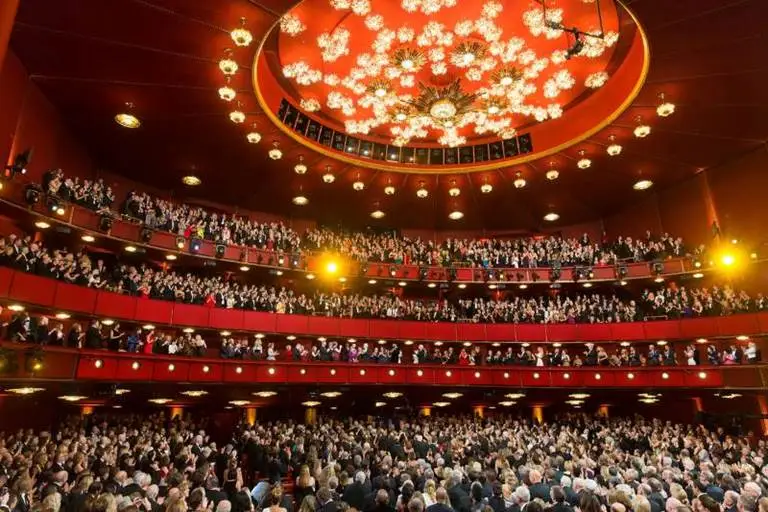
381,503
558,498
458,496
213,491
354,494
442,502
538,488
325,501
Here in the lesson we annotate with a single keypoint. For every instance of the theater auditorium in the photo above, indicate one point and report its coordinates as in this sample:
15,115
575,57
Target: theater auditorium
383,256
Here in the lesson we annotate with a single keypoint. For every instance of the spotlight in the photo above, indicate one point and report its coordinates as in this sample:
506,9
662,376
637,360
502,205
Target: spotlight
32,194
105,223
19,165
195,245
220,250
180,241
146,235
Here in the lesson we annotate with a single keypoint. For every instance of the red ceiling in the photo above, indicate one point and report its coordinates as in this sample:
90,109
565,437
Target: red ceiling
89,58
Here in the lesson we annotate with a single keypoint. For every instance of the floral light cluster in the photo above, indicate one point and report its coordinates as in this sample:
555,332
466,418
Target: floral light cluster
506,76
290,24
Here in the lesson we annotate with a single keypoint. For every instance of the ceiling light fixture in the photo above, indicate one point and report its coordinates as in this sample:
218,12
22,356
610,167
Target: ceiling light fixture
72,398
486,188
389,190
300,168
159,401
265,394
62,316
583,163
237,116
275,153
377,214
665,108
358,185
226,92
613,149
454,191
127,119
227,65
641,130
300,200
241,35
551,217
24,391
456,215
328,177
191,181
422,192
253,137
642,185
519,181
42,224
311,403
194,393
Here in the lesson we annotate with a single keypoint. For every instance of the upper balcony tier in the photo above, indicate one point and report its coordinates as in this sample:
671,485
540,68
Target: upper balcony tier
47,293
124,230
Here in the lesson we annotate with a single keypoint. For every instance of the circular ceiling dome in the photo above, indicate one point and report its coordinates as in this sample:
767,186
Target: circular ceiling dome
452,73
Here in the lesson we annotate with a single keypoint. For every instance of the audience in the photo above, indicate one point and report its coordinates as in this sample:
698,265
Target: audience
194,222
144,463
28,255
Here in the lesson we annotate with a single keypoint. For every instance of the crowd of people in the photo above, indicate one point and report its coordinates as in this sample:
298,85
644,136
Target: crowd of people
389,247
41,330
145,463
26,254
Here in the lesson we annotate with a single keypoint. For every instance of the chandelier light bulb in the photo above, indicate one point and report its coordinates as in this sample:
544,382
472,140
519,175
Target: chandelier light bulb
275,153
227,65
613,149
454,191
665,109
422,192
300,168
237,116
241,35
227,93
642,130
519,181
486,188
358,185
584,163
552,174
329,177
389,190
253,137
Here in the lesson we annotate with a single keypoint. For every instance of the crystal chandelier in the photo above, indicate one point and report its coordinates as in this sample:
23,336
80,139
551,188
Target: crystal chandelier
226,92
300,168
227,65
358,185
641,130
328,177
275,153
584,162
444,81
519,181
613,149
454,191
665,108
241,35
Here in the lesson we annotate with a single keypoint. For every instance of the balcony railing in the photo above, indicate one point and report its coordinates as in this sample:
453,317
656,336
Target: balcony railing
130,232
48,293
94,365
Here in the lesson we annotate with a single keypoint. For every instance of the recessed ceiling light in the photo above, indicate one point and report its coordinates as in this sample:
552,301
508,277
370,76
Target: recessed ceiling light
24,391
300,200
372,281
456,215
642,185
127,120
170,257
402,283
486,188
432,285
377,214
192,181
42,224
462,286
72,398
551,217
130,248
16,307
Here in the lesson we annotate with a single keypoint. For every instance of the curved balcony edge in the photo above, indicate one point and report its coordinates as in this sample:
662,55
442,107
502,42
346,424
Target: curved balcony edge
26,288
103,366
87,220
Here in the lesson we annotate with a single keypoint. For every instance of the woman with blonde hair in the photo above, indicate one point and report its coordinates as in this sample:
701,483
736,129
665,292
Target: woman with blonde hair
305,484
308,504
430,493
